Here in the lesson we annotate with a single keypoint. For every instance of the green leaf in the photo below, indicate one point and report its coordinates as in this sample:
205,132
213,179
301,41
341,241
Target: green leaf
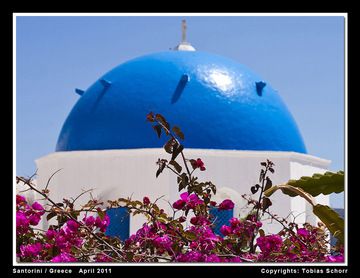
262,173
178,132
162,120
150,117
162,164
137,203
253,189
176,165
271,191
177,151
169,146
75,214
266,203
327,183
183,181
331,219
261,232
157,128
190,235
268,184
101,214
158,172
155,208
287,189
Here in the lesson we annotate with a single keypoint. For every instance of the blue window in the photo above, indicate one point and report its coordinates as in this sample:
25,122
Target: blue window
220,217
119,223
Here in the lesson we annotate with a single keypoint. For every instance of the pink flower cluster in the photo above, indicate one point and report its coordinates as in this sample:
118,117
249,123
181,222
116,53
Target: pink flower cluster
170,238
31,250
226,205
155,235
269,244
198,163
243,229
56,244
27,215
299,247
97,222
187,201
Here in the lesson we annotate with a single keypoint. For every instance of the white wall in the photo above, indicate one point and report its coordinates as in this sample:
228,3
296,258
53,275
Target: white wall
124,173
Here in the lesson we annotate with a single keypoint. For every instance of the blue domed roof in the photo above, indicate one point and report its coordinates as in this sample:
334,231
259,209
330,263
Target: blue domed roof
218,103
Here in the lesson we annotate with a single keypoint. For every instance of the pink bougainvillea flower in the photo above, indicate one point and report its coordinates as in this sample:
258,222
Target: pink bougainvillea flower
225,230
179,204
199,220
48,246
190,200
182,219
102,224
163,242
194,220
198,163
234,260
335,259
63,257
303,232
226,205
184,196
34,219
191,256
146,201
270,243
21,220
61,241
212,258
37,206
212,203
30,250
72,225
89,221
234,222
20,199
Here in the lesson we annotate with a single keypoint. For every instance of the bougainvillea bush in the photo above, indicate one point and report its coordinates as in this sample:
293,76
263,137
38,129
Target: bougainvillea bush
77,233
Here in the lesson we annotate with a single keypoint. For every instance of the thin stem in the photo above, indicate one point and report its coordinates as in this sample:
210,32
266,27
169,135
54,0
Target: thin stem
285,227
48,182
173,170
187,168
86,191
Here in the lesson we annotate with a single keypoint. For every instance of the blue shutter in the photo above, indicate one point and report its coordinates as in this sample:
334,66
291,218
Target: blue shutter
119,223
220,217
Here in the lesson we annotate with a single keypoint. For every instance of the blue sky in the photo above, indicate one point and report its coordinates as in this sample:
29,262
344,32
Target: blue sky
301,57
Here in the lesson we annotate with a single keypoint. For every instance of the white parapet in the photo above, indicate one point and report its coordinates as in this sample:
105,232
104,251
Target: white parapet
131,173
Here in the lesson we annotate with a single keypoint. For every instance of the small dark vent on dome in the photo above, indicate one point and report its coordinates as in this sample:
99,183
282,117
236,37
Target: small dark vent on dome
79,91
105,83
180,87
259,87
